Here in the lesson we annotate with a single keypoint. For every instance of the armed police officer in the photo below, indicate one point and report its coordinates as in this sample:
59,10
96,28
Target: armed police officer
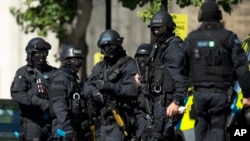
143,111
112,87
66,99
168,83
215,61
29,90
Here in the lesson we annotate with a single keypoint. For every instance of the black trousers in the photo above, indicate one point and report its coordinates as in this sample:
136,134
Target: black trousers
212,110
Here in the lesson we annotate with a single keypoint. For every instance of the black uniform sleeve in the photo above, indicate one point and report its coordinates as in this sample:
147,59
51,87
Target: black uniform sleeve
128,86
59,90
174,60
20,88
241,65
88,87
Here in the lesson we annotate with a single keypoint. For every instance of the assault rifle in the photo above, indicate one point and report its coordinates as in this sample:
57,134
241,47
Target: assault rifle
91,122
145,91
119,121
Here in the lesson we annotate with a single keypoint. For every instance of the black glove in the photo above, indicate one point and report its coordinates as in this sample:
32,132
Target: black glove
42,103
144,88
97,96
102,85
69,135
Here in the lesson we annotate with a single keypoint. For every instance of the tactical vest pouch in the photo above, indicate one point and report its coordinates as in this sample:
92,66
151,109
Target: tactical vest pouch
76,104
215,63
158,76
162,81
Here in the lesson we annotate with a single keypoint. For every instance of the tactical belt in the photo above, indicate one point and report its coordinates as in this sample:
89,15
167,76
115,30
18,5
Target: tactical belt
211,90
157,98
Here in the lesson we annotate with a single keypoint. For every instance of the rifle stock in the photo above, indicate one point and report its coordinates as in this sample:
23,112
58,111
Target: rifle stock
145,90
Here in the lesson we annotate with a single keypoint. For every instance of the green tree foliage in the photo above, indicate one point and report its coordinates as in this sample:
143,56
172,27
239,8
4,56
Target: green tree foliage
69,19
45,15
49,15
147,12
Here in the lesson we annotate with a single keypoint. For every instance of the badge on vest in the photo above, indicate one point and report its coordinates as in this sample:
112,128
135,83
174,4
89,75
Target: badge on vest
201,44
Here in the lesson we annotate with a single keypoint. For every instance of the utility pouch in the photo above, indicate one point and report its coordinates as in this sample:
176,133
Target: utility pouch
158,79
230,95
163,99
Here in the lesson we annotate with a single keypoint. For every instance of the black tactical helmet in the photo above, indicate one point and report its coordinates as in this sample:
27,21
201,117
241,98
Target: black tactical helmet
69,51
110,37
162,18
36,44
143,49
209,11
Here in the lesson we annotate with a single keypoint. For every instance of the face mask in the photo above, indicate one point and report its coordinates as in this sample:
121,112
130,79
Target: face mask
143,61
75,64
39,57
110,50
159,31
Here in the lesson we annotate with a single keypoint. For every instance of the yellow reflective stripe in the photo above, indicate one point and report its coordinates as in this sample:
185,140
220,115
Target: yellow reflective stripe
186,122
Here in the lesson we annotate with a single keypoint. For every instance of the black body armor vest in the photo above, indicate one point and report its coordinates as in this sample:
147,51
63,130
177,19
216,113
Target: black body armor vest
210,56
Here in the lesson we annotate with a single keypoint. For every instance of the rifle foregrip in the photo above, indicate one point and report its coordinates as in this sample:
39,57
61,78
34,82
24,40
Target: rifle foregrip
119,121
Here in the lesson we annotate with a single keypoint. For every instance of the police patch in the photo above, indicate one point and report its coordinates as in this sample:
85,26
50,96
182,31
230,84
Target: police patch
157,21
202,44
106,39
77,51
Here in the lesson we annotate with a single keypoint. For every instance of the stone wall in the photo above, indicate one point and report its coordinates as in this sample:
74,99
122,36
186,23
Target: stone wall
135,32
237,22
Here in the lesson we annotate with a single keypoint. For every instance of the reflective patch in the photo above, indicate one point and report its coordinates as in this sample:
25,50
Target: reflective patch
202,44
205,44
45,76
106,39
77,52
211,44
20,76
157,21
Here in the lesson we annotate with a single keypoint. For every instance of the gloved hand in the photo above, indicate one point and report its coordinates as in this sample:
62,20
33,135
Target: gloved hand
144,88
42,103
103,85
70,135
97,96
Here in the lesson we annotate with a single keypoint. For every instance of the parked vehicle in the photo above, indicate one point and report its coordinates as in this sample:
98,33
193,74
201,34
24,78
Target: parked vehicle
9,119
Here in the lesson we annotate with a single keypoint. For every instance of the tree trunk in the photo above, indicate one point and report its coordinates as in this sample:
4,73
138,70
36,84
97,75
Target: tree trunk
76,31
